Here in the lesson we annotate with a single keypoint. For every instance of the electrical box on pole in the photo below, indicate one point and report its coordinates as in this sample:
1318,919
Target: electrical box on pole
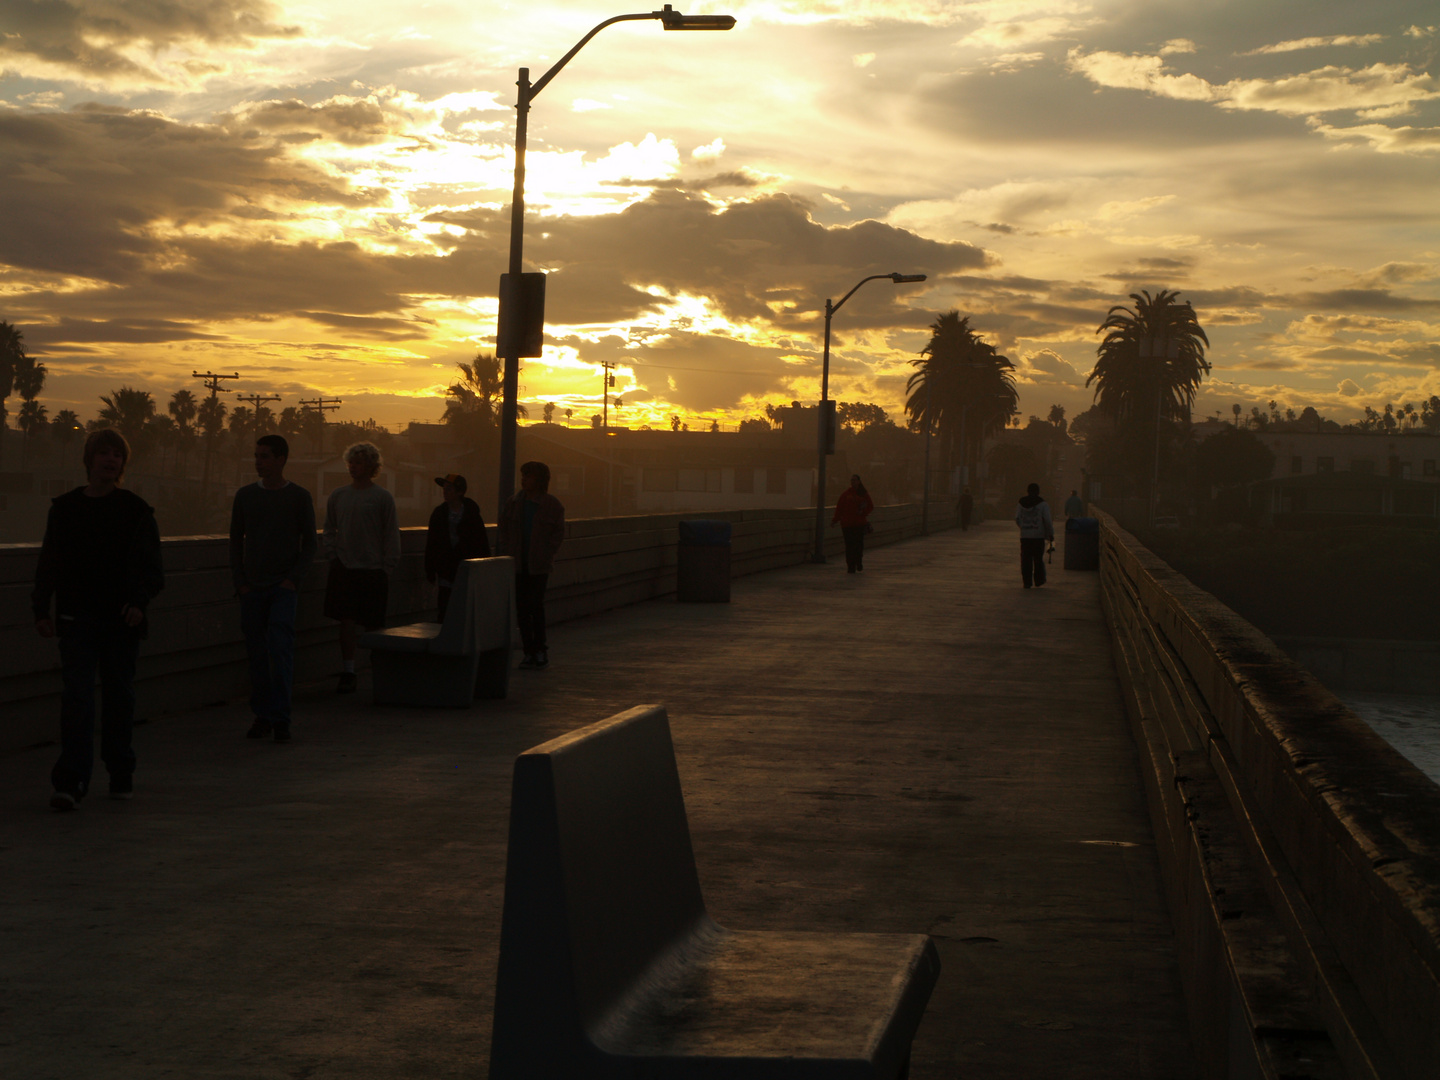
827,425
521,328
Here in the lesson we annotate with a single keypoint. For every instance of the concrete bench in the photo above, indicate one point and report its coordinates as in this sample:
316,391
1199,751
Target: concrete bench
454,662
611,967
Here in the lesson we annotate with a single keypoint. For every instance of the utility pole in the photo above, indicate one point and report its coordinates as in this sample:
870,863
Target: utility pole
255,401
212,383
320,405
606,382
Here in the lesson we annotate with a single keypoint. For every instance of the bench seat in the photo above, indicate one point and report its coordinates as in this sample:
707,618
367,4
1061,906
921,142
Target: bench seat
451,663
610,966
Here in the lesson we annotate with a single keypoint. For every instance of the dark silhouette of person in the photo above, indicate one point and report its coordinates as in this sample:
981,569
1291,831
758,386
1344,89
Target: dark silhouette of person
1074,505
967,507
456,533
100,563
531,530
1032,515
852,510
272,540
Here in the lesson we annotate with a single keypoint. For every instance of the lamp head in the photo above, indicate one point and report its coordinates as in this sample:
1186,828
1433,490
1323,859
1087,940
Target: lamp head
673,20
901,279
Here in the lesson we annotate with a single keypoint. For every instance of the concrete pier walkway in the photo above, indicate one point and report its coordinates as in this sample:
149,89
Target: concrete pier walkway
921,747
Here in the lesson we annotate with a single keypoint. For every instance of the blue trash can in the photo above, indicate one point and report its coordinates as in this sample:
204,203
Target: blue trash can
702,563
1082,543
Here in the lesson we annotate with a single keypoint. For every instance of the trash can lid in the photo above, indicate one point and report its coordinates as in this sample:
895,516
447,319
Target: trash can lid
1082,525
705,533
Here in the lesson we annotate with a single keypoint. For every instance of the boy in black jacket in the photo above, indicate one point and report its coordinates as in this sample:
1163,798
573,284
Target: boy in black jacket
456,533
100,561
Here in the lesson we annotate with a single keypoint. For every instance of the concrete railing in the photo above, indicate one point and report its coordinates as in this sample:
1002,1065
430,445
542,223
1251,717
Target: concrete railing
195,654
1300,852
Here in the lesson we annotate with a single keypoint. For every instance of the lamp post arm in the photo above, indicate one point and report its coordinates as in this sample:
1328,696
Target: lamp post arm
544,80
836,307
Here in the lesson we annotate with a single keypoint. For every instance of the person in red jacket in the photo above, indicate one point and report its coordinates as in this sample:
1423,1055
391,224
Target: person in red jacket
851,510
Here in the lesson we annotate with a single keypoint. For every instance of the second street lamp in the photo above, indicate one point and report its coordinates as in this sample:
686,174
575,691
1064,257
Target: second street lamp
825,424
522,297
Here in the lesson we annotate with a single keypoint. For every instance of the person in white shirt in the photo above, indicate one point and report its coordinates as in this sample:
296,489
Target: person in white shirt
362,541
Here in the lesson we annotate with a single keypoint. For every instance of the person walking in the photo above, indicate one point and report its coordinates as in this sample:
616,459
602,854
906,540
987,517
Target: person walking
1074,505
362,543
100,564
967,507
456,533
531,530
852,510
1032,515
272,541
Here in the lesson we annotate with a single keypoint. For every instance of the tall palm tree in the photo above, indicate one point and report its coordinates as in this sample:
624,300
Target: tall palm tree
961,387
1151,360
129,411
28,380
475,410
12,354
182,410
210,419
66,425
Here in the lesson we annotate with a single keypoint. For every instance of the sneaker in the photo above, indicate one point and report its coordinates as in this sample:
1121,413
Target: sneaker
541,661
348,683
64,800
259,729
282,732
528,664
122,786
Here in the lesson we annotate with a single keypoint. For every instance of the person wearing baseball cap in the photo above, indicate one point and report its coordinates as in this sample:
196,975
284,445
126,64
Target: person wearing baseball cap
456,533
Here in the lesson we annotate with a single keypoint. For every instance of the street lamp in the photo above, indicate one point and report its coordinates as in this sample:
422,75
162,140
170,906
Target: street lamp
522,301
825,426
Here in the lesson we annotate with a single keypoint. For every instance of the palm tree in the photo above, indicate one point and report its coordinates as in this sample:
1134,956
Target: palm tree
961,387
182,409
28,380
1151,360
210,419
66,425
12,355
129,411
475,412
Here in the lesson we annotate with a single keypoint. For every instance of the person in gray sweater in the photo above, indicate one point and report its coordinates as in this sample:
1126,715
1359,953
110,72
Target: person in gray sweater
272,540
362,542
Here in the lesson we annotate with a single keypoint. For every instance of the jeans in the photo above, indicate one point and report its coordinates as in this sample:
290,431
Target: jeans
530,611
91,645
267,615
854,545
1032,561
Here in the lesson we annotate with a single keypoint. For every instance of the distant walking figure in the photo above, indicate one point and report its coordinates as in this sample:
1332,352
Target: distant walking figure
1074,505
456,533
531,530
100,562
1036,527
362,542
272,540
967,507
851,511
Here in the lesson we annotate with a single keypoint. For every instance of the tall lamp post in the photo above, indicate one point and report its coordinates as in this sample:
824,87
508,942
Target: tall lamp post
824,426
522,313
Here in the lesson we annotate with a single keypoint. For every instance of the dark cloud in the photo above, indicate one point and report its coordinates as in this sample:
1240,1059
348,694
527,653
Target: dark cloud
69,331
1358,300
351,121
88,36
83,189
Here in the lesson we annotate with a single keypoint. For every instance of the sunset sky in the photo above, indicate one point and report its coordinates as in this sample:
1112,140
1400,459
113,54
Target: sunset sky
316,195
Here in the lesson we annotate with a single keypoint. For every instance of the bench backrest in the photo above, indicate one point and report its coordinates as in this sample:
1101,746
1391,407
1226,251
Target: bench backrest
481,611
600,877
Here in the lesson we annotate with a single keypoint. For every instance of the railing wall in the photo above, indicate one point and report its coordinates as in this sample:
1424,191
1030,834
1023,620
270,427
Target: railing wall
195,654
1301,853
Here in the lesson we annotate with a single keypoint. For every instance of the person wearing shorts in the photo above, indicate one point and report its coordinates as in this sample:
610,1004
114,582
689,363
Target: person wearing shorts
362,542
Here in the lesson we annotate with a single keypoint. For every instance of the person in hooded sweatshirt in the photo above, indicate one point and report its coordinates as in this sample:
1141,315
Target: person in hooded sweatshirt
1036,528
